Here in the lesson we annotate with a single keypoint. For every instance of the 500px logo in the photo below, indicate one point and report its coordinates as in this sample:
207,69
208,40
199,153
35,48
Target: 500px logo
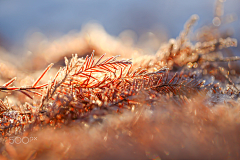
19,140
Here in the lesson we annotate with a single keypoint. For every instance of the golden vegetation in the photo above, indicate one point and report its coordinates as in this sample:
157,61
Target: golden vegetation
180,103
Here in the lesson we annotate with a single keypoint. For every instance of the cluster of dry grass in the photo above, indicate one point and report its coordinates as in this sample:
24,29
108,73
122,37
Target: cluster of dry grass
181,103
186,131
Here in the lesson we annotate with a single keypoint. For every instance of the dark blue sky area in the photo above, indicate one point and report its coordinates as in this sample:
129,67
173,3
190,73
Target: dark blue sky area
58,17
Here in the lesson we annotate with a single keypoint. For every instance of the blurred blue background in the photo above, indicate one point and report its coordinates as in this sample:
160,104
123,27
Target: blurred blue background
57,17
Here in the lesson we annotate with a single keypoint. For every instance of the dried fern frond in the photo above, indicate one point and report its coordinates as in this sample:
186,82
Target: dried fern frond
182,88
